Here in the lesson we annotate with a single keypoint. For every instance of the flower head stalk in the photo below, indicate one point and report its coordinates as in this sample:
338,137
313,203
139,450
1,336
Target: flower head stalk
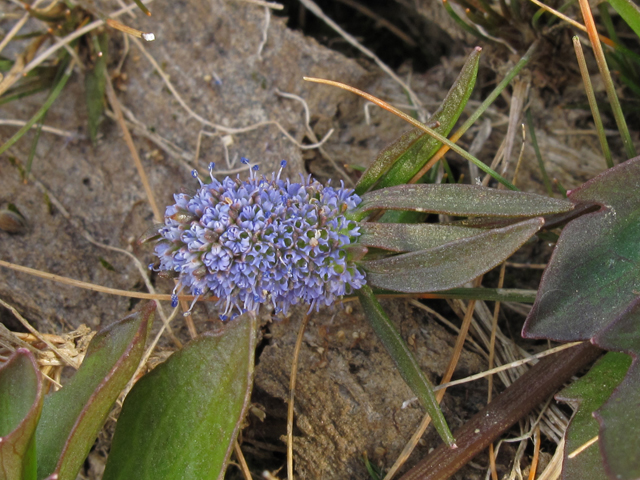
260,240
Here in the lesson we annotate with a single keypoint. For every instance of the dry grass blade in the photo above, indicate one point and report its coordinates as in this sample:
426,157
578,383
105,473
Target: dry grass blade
68,360
243,463
115,105
91,286
292,388
583,447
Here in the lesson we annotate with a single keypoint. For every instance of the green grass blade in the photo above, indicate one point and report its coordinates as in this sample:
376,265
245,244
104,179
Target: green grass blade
40,113
595,112
536,148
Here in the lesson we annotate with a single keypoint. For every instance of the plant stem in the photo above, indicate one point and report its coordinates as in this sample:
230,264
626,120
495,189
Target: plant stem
532,388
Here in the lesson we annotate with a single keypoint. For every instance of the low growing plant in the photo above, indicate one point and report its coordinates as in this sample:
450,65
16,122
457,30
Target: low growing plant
268,240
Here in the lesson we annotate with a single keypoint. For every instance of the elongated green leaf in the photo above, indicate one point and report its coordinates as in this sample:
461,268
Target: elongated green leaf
73,416
407,146
629,11
409,237
586,396
180,420
404,360
21,398
447,115
461,200
452,264
95,85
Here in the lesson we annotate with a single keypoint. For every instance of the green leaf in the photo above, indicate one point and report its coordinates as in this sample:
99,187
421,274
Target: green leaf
618,417
586,396
95,84
404,360
73,416
452,264
180,420
21,398
399,163
405,147
461,200
629,11
409,237
594,272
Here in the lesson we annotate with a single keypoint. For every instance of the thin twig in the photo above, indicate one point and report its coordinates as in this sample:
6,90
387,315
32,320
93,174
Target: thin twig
243,463
312,136
536,454
45,128
92,286
607,41
115,104
218,127
292,387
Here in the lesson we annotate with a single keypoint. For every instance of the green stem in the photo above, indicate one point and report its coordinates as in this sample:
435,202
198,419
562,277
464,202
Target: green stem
404,360
487,294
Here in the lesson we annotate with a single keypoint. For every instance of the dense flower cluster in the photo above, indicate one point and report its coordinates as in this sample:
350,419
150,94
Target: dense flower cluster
262,239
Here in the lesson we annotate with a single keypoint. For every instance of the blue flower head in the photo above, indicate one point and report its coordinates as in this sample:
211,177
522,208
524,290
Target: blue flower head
261,240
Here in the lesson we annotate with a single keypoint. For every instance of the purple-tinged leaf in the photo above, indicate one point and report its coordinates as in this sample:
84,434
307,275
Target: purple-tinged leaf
460,200
452,264
594,272
21,398
73,416
587,395
618,417
180,420
409,237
